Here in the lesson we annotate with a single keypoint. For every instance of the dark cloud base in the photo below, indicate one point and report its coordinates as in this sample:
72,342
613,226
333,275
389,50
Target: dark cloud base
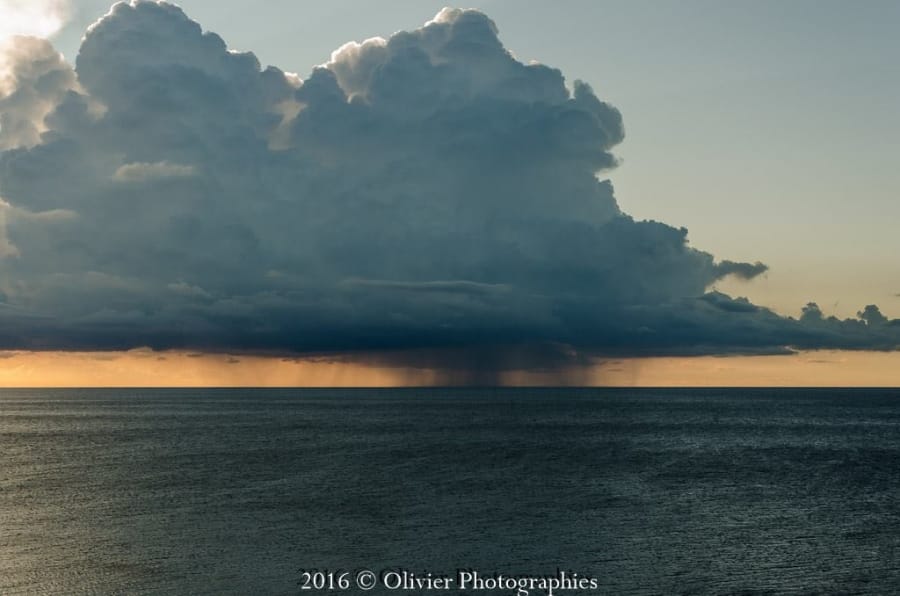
426,200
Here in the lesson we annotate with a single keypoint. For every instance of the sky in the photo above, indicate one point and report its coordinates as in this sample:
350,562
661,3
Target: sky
766,129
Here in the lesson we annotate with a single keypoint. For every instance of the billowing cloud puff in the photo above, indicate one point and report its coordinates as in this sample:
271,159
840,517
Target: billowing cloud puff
428,192
42,18
33,80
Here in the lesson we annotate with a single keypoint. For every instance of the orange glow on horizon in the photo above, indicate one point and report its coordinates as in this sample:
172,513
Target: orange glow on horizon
146,368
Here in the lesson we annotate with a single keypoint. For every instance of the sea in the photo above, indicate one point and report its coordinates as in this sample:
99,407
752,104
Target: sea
305,491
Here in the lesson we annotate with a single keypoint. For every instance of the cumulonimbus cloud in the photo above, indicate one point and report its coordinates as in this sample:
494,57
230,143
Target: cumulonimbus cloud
423,192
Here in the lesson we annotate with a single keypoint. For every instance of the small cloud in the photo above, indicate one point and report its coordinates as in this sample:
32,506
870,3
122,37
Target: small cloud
143,172
51,215
449,286
186,289
741,270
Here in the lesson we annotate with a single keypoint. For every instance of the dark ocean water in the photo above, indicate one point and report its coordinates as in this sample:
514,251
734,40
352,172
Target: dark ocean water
649,491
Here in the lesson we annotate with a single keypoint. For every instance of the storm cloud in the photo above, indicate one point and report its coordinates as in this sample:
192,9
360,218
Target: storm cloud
412,195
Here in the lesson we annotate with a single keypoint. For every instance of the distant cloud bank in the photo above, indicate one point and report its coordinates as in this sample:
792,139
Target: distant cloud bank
424,193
